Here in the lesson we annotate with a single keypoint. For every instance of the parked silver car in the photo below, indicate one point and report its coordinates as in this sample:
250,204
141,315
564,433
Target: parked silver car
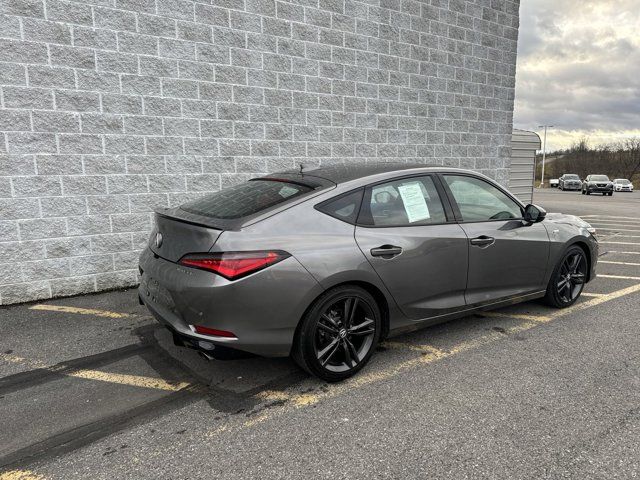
622,185
322,264
569,181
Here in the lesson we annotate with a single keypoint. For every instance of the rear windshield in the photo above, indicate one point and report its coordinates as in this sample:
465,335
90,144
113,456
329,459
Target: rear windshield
245,199
599,178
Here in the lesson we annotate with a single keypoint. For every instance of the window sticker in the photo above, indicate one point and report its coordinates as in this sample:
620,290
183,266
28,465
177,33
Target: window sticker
287,191
414,202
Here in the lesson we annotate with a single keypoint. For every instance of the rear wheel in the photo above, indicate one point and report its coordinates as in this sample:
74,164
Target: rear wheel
338,334
568,279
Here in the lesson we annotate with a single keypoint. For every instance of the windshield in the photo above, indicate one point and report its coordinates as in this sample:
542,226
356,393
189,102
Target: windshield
599,178
622,181
245,199
572,177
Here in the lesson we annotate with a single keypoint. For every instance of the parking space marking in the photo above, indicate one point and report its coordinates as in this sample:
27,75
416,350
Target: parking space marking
286,402
599,300
80,311
600,229
127,379
586,294
620,243
623,253
608,216
517,316
618,277
619,263
110,377
20,475
615,220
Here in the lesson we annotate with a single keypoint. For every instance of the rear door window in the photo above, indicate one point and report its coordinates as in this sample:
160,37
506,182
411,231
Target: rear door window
246,198
400,203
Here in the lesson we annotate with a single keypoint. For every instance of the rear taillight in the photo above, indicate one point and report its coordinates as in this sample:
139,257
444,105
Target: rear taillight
214,332
233,265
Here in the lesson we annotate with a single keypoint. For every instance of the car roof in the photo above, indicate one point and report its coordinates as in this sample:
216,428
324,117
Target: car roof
340,173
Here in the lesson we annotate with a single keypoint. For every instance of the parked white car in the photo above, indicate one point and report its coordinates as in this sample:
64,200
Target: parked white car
622,185
554,182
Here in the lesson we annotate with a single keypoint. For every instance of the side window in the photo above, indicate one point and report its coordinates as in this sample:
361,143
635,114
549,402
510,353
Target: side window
344,207
480,201
406,202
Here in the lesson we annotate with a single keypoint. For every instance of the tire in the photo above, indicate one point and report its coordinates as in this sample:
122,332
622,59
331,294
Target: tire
564,291
324,329
588,192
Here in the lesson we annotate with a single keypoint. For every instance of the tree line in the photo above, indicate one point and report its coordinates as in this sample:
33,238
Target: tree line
617,160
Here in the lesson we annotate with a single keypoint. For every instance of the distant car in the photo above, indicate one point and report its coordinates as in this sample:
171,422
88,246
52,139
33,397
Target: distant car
554,182
597,184
569,181
622,185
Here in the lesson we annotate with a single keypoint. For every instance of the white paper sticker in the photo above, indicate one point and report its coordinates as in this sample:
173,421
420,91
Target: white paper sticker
414,202
287,191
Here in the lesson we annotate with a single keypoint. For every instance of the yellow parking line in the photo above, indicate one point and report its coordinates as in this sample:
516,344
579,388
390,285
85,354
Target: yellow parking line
20,475
80,311
429,354
413,347
599,300
119,378
126,379
517,316
619,263
618,277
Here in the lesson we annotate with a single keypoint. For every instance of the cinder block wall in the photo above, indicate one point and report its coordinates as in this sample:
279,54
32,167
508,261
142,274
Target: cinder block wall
109,108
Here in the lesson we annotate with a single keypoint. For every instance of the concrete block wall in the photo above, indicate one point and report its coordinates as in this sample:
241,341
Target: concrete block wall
109,108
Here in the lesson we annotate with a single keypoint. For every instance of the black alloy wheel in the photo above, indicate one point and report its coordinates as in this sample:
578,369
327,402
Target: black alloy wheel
568,279
339,334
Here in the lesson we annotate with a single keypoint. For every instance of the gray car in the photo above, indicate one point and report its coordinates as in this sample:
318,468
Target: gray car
322,264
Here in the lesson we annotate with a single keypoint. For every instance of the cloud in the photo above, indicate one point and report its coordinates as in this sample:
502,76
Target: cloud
579,69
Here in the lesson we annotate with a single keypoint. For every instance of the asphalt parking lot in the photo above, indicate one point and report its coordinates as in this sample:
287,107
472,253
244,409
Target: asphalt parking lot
92,387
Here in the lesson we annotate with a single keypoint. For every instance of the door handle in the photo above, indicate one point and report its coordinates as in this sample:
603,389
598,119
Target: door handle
483,241
386,251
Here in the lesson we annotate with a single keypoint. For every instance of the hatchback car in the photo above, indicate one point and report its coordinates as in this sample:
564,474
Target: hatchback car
597,184
322,264
622,185
569,181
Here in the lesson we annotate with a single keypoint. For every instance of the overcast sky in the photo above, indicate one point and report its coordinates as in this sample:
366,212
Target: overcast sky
579,69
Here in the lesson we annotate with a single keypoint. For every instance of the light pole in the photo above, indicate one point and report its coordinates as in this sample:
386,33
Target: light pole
544,151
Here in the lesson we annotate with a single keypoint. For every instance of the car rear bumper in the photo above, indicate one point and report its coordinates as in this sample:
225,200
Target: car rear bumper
262,310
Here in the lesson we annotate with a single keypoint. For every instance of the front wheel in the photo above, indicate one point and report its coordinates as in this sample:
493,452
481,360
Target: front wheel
338,334
568,279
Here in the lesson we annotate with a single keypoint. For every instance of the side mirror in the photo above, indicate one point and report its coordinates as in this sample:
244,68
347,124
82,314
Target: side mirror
534,214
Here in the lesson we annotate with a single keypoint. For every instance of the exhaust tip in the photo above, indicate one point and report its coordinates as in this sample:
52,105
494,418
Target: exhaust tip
205,355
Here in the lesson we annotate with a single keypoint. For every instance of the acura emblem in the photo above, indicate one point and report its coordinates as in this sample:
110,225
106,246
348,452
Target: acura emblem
158,239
